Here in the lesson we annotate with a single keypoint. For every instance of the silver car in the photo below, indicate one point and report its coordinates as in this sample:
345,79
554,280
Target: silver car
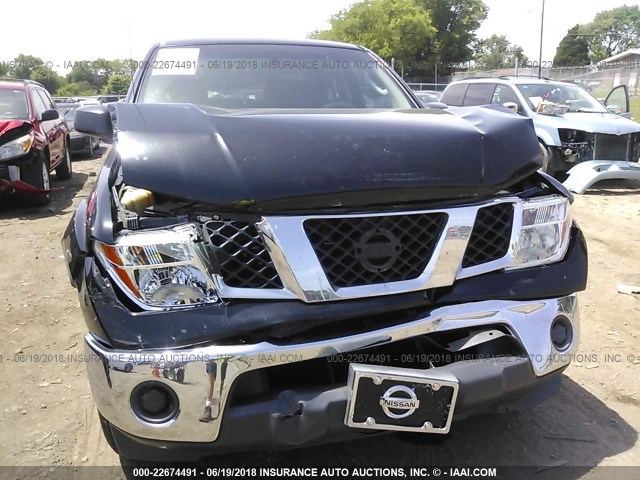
587,139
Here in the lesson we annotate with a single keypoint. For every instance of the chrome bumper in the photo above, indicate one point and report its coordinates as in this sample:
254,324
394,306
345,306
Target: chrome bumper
113,374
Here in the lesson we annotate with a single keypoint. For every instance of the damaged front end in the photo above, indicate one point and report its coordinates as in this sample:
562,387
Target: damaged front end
16,139
599,156
283,260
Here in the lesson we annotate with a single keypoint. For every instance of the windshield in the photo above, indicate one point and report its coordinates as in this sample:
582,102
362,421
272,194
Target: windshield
575,97
13,104
69,113
270,76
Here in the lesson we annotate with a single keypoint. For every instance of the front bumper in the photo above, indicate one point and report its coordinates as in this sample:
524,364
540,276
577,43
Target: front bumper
114,374
80,143
586,174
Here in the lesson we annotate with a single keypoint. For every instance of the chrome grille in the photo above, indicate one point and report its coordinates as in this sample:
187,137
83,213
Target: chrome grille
490,236
242,258
356,251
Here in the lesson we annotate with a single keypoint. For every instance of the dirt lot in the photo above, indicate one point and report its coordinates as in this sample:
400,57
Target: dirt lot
47,415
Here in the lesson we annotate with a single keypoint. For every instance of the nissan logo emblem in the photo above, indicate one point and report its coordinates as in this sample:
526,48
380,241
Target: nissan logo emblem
408,401
378,250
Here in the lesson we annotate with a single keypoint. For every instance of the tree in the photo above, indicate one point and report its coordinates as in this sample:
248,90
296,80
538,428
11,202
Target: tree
76,89
456,22
47,77
572,50
118,84
612,32
23,65
392,28
418,33
497,52
83,71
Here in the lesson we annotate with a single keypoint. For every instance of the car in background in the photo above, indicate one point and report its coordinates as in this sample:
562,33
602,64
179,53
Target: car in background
80,143
428,96
34,140
579,136
109,98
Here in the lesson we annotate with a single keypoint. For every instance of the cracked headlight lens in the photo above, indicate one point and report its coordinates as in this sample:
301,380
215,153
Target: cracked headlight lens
161,268
544,232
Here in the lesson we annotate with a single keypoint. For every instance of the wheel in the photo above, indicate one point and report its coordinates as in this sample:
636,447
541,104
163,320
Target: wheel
91,149
180,376
64,170
546,159
37,175
165,373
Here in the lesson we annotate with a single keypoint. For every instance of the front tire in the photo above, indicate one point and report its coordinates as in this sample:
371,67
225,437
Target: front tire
91,149
546,159
37,175
64,170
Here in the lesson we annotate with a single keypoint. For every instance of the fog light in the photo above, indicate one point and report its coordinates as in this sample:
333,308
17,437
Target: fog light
561,333
154,402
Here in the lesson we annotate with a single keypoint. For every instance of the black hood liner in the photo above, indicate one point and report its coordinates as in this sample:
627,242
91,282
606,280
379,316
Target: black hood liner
325,158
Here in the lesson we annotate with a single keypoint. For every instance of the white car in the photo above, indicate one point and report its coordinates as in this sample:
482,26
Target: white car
579,135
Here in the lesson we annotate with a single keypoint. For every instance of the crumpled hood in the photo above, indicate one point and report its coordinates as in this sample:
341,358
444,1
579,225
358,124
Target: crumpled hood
347,158
608,123
7,125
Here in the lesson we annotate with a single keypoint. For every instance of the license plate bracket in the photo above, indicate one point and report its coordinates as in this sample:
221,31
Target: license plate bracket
400,399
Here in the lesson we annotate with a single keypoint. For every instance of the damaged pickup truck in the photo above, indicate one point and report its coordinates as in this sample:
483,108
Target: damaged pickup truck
284,248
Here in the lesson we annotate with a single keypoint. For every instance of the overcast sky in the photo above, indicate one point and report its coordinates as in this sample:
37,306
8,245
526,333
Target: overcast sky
78,30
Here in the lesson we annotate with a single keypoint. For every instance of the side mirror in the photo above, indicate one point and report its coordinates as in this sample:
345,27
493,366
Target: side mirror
614,109
511,106
94,120
49,115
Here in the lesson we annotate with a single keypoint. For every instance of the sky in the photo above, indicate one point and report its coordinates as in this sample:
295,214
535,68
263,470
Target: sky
127,28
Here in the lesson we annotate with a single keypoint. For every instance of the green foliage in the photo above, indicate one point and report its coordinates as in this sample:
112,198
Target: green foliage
417,33
391,28
456,22
82,72
497,52
76,89
612,32
47,77
572,50
97,72
24,65
85,78
118,84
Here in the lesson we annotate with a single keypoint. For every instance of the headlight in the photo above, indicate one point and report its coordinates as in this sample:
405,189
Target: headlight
162,268
16,147
544,232
550,108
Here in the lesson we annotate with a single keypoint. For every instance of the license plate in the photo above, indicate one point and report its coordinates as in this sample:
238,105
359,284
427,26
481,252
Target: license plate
402,399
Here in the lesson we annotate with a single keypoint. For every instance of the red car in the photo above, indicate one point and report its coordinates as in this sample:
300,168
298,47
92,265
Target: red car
34,140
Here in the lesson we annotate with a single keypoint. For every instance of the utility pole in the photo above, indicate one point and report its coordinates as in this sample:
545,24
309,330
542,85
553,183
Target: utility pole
541,31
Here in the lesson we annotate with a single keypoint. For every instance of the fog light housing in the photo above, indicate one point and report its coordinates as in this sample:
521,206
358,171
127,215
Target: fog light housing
154,402
561,332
